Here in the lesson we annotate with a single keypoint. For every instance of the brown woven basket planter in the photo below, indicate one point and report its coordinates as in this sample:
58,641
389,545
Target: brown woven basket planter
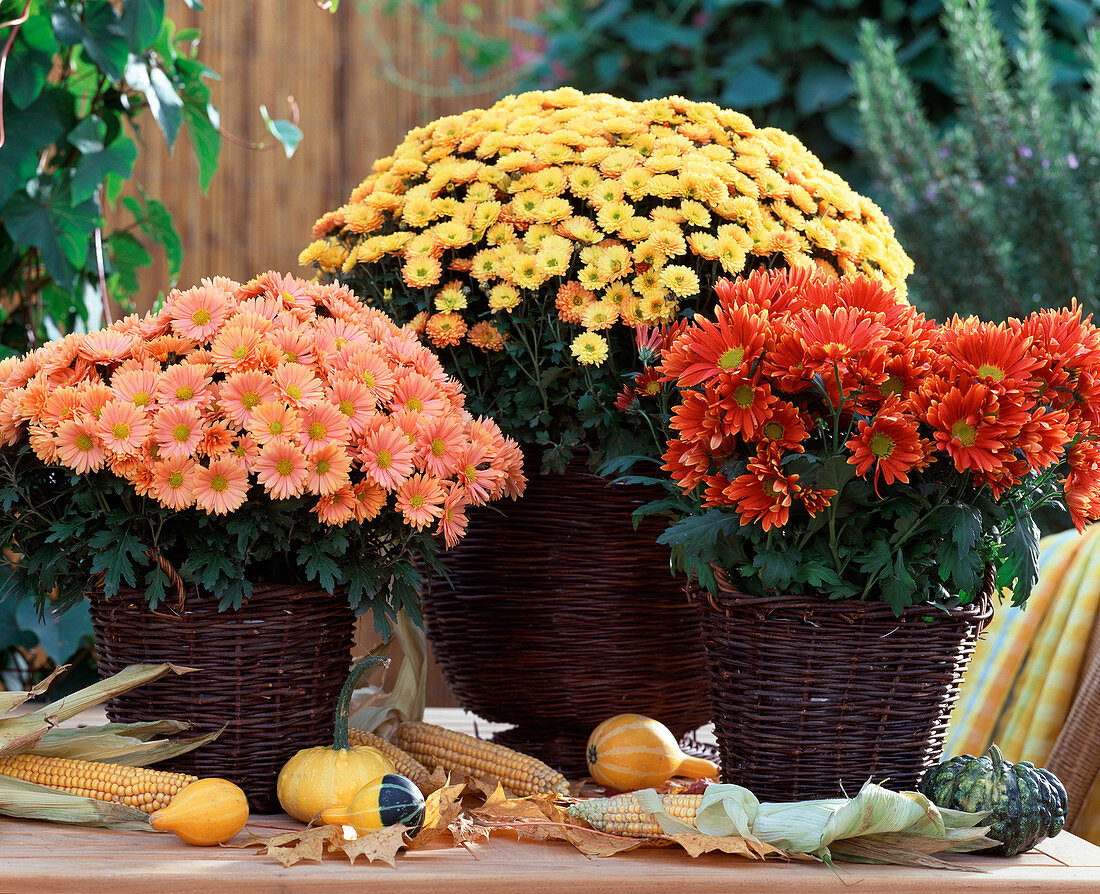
270,672
814,697
559,615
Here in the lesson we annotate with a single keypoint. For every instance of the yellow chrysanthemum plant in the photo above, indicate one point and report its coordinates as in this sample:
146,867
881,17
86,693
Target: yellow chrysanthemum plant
546,247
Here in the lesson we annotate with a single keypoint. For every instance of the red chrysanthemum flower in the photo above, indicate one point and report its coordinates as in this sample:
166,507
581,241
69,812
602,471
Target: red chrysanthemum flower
730,343
765,492
990,353
889,442
962,425
784,428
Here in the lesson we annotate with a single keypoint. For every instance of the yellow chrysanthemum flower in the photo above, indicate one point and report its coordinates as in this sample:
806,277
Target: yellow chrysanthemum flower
589,348
680,280
599,315
504,297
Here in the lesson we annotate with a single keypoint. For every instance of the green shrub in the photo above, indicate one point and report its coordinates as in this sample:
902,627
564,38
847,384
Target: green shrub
1001,213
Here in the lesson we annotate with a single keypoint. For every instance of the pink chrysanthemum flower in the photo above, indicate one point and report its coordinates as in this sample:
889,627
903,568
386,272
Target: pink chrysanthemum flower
452,520
43,443
79,446
420,499
184,385
235,348
271,420
478,479
174,482
354,402
217,438
369,500
370,368
337,508
282,469
106,346
417,394
177,431
222,486
296,345
246,451
93,398
328,469
298,385
243,392
440,443
387,456
197,313
123,427
135,386
322,424
62,404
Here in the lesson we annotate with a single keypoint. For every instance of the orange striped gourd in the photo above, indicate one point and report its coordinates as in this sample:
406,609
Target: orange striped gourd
631,751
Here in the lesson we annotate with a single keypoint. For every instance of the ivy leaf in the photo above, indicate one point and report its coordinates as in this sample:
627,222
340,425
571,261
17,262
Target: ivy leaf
126,256
93,168
202,119
66,25
30,62
44,121
104,39
47,219
155,221
141,21
164,102
288,134
821,86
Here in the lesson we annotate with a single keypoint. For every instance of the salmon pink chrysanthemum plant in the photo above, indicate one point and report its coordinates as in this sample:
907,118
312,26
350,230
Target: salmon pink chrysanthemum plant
827,438
273,431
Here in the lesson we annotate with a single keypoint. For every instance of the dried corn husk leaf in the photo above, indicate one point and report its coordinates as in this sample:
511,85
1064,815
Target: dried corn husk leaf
10,700
384,711
29,801
109,743
20,734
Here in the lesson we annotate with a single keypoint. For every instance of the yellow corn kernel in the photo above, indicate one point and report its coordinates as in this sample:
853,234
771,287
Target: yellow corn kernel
139,787
457,752
621,814
405,764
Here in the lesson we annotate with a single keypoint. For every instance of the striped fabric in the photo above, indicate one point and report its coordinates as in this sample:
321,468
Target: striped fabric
1025,679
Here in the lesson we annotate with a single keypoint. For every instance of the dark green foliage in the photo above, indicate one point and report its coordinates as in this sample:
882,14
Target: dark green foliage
1025,804
74,531
1001,214
786,64
81,75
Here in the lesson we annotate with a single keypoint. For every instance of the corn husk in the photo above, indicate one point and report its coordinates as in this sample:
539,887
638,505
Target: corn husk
133,744
382,712
877,825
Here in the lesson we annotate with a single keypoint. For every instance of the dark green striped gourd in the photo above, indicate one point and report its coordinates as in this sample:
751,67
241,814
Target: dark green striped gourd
1026,803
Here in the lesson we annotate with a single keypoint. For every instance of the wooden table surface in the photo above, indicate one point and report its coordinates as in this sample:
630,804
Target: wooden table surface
42,858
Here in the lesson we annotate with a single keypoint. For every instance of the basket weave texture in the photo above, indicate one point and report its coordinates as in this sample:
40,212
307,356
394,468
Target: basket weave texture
814,697
559,615
269,672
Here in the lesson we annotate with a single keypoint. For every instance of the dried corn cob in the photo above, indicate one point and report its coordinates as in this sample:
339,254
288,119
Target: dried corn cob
457,752
621,815
146,789
405,764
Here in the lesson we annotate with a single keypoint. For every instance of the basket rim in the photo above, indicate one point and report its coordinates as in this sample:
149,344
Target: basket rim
729,599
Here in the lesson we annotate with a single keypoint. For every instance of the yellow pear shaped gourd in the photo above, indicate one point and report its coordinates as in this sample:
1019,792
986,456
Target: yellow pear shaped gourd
206,812
317,778
631,751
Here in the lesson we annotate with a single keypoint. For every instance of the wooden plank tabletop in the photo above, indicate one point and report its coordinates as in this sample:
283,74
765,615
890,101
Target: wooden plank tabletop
43,858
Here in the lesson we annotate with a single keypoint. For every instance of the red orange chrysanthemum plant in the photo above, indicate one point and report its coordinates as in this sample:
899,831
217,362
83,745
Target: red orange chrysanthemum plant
276,430
835,441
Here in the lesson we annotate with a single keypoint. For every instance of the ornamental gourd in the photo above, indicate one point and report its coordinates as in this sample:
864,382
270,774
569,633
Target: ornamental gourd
206,812
387,801
1026,803
321,777
631,751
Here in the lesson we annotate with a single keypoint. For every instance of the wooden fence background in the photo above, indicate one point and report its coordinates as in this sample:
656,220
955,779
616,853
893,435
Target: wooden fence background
361,80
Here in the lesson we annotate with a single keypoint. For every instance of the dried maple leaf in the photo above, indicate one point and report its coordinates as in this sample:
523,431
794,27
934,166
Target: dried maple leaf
441,808
466,830
293,847
381,845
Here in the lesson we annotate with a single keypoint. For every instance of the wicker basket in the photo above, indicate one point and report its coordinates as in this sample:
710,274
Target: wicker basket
814,697
269,672
559,615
